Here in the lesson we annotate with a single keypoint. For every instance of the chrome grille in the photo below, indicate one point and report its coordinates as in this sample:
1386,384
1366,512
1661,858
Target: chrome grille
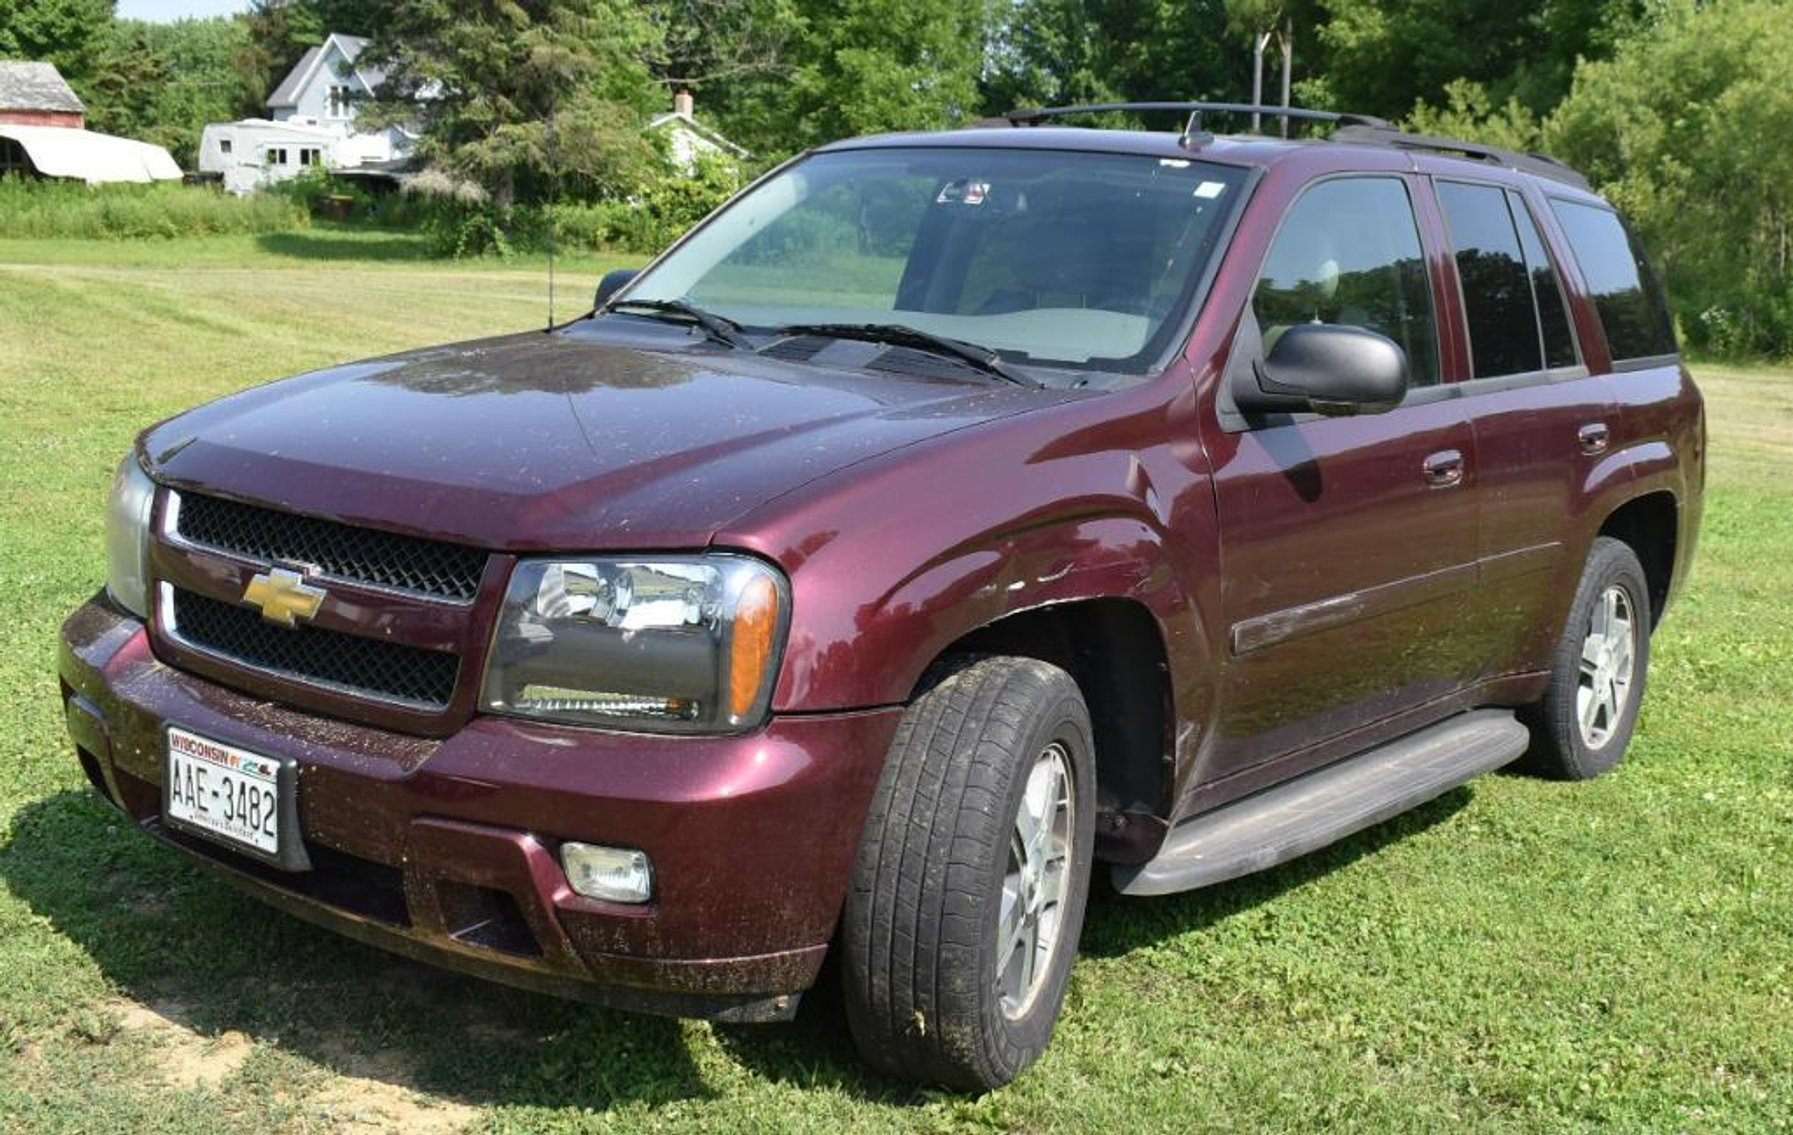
343,551
367,667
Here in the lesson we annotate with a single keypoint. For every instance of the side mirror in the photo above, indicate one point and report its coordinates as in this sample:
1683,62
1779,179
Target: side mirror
1328,369
613,282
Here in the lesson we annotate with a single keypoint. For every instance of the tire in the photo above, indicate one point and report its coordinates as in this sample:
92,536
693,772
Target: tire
1576,732
922,935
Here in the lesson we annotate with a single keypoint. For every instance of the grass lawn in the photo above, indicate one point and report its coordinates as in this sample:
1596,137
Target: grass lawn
1517,955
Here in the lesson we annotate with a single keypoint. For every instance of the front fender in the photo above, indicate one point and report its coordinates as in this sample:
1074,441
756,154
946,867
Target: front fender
893,560
874,650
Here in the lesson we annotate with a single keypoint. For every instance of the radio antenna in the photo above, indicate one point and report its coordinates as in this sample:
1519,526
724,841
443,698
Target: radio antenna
553,188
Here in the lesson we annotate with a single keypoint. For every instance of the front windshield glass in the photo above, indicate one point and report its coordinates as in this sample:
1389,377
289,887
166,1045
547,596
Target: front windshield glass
1050,257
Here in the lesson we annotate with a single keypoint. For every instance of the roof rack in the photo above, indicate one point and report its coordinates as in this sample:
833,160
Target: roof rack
1385,135
1035,115
1361,128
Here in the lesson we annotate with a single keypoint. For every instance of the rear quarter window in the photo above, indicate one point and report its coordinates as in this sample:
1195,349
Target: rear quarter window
1625,291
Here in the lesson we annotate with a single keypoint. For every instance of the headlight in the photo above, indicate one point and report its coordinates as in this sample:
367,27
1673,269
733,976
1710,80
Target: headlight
127,537
665,644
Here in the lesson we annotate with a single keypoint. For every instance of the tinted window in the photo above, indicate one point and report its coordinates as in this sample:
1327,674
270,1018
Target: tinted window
1497,291
1625,291
1349,253
1553,313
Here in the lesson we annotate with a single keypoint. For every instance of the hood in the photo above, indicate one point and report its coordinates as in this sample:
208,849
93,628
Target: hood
543,442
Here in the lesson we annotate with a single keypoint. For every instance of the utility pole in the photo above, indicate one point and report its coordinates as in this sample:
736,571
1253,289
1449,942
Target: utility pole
1288,65
1261,40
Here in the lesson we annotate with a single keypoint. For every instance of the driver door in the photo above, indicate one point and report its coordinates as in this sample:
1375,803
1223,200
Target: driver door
1348,544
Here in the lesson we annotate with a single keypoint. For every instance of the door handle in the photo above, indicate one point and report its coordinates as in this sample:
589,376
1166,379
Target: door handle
1444,469
1593,438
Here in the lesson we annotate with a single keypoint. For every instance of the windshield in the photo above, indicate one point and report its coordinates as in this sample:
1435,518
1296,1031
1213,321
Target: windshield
1049,257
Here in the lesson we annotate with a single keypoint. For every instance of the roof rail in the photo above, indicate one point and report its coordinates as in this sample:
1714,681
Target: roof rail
1033,116
1385,135
1363,128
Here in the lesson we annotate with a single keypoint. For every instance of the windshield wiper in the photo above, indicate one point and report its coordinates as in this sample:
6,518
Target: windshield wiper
902,335
718,327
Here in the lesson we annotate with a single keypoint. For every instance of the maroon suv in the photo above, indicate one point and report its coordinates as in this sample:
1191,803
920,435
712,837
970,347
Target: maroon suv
946,513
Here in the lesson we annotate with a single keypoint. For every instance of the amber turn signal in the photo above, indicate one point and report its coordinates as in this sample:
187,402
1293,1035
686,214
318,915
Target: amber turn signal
755,631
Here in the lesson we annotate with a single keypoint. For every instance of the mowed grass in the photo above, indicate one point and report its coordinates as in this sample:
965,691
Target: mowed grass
1517,956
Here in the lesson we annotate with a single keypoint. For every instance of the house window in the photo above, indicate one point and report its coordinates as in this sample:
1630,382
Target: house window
275,156
308,156
339,102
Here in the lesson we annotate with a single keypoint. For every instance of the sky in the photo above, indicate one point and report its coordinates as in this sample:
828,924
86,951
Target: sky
165,11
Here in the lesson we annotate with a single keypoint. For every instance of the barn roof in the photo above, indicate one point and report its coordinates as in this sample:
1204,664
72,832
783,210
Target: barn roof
36,86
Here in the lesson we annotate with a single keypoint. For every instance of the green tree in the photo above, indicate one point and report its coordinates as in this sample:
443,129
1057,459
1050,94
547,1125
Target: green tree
1686,129
736,57
1382,58
163,82
513,94
72,34
869,65
713,43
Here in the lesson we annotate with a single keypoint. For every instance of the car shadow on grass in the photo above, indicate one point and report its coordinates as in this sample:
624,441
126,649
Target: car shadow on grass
197,958
808,1051
211,961
1117,925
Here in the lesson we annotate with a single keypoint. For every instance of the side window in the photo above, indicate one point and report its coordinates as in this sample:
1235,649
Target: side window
1497,292
1625,291
1547,291
1349,253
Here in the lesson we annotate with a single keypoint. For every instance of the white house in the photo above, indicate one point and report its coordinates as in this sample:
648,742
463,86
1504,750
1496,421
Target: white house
688,139
311,122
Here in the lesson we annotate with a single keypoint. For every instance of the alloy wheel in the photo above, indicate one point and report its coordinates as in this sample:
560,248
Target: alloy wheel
1034,884
1608,662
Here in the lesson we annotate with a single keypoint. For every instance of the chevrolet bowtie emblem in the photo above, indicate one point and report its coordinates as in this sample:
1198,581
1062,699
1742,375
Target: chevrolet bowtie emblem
284,596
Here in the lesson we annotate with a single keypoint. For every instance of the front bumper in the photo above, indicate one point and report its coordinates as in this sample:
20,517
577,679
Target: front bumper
445,850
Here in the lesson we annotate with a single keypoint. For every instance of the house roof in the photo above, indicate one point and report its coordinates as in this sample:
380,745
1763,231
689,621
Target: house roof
36,86
287,93
351,47
673,119
57,151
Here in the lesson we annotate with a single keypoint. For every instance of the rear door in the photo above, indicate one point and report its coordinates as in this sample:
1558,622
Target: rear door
1348,544
1541,420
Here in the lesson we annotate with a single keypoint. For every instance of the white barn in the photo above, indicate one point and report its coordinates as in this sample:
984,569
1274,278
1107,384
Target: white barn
310,123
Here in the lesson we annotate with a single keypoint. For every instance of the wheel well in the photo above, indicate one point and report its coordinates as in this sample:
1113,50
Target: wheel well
1113,649
1648,524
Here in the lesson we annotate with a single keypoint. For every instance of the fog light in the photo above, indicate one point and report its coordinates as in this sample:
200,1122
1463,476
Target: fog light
614,874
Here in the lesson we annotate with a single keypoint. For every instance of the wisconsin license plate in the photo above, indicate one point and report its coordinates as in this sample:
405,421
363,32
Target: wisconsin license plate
222,791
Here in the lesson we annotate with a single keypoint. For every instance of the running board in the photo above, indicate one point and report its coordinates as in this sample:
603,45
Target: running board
1311,811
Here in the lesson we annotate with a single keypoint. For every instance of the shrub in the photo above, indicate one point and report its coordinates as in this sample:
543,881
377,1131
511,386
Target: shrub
322,194
1685,128
69,210
657,212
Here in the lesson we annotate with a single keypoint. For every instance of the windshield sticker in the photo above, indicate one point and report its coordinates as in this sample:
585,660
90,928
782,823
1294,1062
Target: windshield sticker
1210,189
963,192
1173,163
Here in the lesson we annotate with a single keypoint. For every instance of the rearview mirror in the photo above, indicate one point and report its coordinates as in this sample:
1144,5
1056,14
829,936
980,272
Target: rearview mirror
613,282
1328,369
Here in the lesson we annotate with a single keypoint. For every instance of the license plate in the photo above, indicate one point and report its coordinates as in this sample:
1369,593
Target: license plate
222,791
